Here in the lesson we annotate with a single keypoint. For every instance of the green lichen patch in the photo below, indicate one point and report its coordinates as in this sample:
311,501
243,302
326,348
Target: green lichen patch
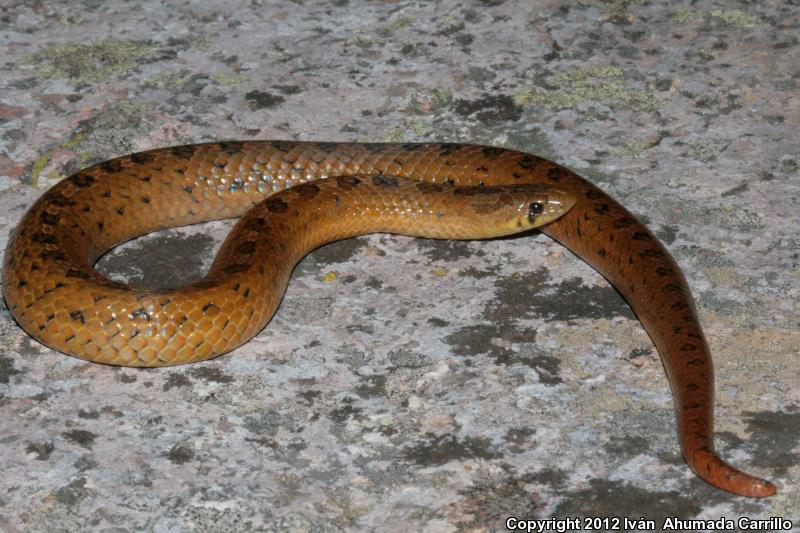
89,62
684,15
735,18
599,83
108,133
168,79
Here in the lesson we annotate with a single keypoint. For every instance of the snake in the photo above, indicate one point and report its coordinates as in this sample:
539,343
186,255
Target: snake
293,196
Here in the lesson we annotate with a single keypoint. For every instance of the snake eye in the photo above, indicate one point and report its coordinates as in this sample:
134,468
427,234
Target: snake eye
535,209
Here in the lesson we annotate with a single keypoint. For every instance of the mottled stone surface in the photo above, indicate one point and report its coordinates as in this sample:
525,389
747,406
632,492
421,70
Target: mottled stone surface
410,385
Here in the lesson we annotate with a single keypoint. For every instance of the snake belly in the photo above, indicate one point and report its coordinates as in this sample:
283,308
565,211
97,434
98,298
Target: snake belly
144,192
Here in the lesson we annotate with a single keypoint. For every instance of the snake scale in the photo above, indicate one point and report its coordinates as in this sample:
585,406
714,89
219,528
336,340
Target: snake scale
55,294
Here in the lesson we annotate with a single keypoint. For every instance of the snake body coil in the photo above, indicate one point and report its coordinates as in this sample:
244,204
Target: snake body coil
54,293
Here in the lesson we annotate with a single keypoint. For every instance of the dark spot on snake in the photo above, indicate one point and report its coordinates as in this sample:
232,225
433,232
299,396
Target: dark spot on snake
670,287
141,312
275,205
237,267
44,238
86,209
107,194
474,190
183,152
121,210
555,173
82,180
70,338
205,284
111,166
529,162
246,292
75,273
446,149
694,336
326,147
77,315
50,317
21,283
688,347
516,175
373,147
411,147
385,181
427,187
695,362
208,306
677,329
230,148
58,200
146,199
98,298
254,224
141,158
601,252
282,146
34,266
593,194
448,163
247,247
347,182
49,218
664,271
481,169
145,178
651,253
56,255
306,190
100,226
624,222
218,164
188,189
641,236
492,152
601,208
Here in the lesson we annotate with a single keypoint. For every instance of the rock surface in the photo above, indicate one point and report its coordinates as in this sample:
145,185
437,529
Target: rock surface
411,385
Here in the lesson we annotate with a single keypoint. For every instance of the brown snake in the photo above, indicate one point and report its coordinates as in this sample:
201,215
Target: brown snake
57,297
